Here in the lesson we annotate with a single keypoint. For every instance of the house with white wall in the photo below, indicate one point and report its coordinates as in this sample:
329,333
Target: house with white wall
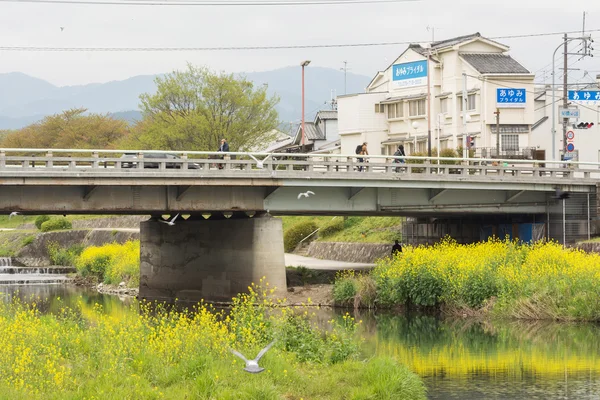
583,133
322,136
395,110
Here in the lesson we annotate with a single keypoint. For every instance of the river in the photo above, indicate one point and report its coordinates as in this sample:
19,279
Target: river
457,359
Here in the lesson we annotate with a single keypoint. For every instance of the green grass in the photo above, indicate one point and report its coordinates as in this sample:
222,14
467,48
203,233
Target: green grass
592,240
11,242
19,220
356,229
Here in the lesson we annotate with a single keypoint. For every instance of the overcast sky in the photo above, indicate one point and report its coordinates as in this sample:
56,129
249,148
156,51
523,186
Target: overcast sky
178,26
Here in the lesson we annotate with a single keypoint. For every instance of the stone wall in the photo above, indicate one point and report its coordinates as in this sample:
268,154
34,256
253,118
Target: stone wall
119,221
589,247
349,252
36,253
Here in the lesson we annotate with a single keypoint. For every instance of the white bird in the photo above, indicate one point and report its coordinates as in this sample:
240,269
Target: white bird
171,222
62,28
259,163
13,214
305,194
252,365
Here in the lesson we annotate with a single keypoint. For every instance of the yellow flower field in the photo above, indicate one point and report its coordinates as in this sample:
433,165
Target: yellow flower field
540,281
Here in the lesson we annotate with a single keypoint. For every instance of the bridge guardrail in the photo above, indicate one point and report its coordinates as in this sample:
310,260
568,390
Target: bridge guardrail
15,160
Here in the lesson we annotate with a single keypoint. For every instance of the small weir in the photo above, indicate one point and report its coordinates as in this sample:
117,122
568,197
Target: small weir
17,275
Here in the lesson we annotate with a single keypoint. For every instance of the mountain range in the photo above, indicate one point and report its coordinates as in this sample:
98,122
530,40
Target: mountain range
25,99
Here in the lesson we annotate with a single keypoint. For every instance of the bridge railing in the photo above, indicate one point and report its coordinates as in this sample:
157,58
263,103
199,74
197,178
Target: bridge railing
51,160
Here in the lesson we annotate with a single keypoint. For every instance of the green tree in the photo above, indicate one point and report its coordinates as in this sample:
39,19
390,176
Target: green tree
193,109
71,129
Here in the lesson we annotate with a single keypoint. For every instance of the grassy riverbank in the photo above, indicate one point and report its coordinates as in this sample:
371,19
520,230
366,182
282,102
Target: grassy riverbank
153,353
504,279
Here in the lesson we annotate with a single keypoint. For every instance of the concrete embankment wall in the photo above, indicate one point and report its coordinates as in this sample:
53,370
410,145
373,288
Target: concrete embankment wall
349,252
116,222
589,247
36,253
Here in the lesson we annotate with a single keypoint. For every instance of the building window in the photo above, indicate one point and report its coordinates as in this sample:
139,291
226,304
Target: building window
391,108
471,102
444,105
395,110
416,108
379,108
509,142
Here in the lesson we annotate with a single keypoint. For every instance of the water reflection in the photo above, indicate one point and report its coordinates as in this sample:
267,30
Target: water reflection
458,359
500,360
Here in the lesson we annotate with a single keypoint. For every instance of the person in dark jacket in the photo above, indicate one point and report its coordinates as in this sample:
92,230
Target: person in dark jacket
224,148
396,248
399,153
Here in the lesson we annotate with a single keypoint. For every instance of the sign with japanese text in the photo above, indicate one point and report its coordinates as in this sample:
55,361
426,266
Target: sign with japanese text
587,96
410,74
511,98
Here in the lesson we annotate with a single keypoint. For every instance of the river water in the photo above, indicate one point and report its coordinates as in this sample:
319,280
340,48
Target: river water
457,359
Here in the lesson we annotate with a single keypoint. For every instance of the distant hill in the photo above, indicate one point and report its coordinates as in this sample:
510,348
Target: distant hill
25,99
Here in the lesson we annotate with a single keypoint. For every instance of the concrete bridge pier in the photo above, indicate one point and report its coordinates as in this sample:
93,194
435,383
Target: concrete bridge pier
212,259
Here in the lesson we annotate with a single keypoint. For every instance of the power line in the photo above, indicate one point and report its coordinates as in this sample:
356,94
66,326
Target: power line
209,3
239,48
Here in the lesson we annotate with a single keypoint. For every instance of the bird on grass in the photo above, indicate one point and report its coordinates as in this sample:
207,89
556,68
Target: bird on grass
560,195
252,365
306,194
171,222
13,214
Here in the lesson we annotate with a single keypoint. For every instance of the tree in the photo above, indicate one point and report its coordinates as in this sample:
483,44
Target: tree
195,108
71,129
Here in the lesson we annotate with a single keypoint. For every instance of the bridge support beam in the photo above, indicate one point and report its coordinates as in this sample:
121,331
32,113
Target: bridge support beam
212,259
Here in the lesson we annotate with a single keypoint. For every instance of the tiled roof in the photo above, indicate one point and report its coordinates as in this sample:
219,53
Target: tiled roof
494,63
313,132
329,114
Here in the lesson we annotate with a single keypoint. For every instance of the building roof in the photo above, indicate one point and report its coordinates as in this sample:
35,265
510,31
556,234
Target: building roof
494,63
313,132
401,98
448,43
327,114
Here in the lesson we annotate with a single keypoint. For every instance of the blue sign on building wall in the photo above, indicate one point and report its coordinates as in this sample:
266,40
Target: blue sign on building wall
410,74
511,98
584,95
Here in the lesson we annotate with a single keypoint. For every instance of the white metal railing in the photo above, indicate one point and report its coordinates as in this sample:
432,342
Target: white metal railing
17,160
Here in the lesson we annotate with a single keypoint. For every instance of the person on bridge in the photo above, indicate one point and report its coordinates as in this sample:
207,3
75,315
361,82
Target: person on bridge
363,152
399,153
224,148
396,248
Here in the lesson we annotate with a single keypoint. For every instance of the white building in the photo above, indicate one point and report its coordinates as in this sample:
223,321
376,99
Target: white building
584,132
394,109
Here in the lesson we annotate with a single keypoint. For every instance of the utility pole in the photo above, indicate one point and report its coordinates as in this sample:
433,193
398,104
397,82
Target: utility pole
565,91
428,104
345,69
465,102
497,113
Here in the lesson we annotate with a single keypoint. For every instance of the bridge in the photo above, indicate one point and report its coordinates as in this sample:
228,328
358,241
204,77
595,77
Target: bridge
242,192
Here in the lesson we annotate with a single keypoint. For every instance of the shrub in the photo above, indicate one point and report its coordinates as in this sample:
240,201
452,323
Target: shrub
331,227
448,153
40,219
112,263
64,256
55,224
344,290
296,233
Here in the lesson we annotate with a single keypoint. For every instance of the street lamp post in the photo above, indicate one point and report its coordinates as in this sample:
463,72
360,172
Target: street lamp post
415,126
428,47
303,64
